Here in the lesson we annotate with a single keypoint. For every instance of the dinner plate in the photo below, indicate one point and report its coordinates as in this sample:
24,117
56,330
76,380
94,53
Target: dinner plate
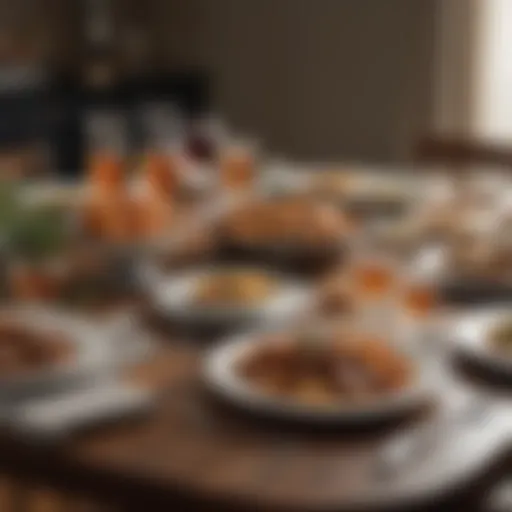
94,349
472,340
173,296
364,189
221,378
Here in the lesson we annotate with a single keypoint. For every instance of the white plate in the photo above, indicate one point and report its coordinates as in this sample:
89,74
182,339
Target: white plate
174,295
362,184
472,339
95,350
221,378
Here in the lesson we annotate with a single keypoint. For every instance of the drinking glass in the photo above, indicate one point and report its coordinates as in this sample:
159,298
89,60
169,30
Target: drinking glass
419,302
237,165
373,276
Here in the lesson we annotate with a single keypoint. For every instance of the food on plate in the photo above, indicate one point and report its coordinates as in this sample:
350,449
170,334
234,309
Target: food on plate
321,368
24,350
234,287
295,221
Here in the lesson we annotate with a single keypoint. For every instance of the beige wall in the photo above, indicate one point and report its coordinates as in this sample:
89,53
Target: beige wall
313,78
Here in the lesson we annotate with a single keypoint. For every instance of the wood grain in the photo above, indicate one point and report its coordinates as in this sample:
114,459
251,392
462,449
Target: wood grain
194,453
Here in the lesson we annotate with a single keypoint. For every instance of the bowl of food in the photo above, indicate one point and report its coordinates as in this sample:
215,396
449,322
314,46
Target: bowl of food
318,375
42,349
225,295
291,230
24,350
234,288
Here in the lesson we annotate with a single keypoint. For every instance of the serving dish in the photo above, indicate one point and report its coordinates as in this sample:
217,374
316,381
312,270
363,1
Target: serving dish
92,350
222,376
176,296
291,232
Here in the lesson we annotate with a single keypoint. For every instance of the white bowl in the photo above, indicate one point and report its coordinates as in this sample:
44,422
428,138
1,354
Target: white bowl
173,295
220,376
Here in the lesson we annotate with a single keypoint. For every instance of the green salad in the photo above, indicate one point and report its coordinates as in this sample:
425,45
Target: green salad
32,233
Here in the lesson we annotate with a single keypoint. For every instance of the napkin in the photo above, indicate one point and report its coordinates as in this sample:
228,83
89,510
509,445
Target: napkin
57,416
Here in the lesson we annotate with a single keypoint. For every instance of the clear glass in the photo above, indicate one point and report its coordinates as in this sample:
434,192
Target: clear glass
372,270
237,165
419,300
373,277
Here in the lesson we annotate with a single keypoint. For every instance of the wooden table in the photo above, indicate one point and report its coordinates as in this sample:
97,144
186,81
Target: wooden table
194,454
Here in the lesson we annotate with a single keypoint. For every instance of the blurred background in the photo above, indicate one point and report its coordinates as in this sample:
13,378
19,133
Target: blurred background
191,122
336,79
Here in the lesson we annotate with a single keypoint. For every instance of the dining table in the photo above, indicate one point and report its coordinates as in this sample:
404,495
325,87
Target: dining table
195,452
